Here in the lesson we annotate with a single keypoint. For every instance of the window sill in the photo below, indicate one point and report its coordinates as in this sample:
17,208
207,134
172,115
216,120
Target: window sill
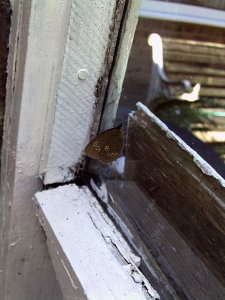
91,258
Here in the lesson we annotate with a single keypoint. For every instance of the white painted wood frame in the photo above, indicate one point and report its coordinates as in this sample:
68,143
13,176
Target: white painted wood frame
91,41
182,13
45,76
92,260
36,49
120,64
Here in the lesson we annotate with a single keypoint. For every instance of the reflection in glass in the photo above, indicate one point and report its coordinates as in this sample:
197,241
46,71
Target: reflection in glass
165,198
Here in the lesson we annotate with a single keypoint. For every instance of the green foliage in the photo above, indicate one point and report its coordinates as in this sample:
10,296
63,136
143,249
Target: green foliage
187,114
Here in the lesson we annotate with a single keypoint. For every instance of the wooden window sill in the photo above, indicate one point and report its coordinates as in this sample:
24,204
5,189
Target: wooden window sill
91,258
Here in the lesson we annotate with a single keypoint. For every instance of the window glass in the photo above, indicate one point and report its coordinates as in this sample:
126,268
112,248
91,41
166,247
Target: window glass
169,204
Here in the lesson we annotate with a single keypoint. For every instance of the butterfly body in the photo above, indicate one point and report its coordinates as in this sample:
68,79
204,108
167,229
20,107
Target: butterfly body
107,146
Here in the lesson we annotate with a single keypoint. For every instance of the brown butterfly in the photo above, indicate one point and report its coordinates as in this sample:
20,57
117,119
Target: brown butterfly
107,146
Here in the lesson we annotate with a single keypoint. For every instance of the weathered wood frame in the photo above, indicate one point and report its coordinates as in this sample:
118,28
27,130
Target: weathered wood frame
91,41
32,87
125,41
34,69
91,258
170,205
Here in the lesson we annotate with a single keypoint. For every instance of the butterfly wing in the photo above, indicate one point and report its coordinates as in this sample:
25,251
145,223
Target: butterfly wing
106,146
113,146
91,150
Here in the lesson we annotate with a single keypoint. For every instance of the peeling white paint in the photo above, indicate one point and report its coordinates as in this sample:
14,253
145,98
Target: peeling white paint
91,248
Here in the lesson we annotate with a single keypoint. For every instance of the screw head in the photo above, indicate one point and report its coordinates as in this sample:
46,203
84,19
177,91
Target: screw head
82,74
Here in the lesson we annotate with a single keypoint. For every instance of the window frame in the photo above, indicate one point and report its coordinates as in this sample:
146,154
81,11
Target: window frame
32,87
180,12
